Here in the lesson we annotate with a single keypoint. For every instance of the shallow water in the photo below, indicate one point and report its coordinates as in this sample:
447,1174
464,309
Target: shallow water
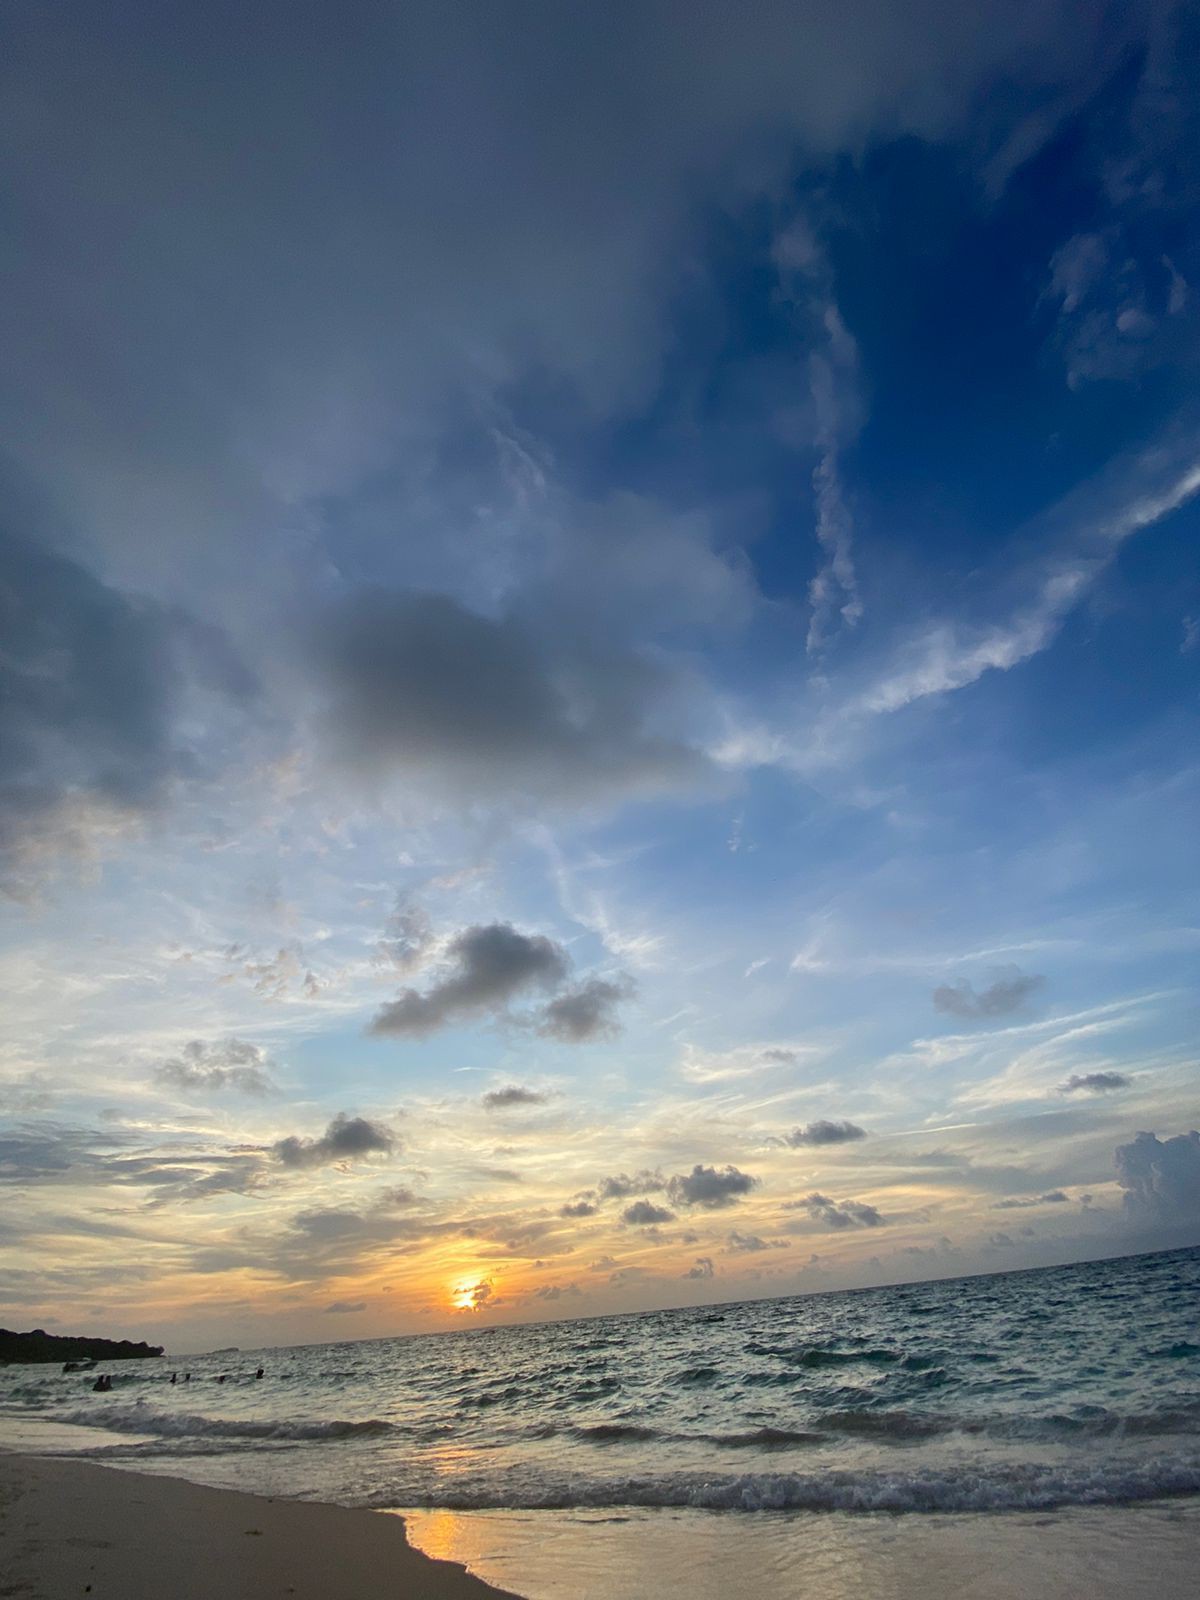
1014,1393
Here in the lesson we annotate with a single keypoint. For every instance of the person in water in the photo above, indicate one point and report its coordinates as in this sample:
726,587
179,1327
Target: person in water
259,1373
103,1384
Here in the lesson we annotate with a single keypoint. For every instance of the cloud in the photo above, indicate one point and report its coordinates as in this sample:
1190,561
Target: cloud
945,656
750,1243
513,1094
490,965
709,1187
807,282
622,1184
824,1132
234,1064
586,1012
557,1291
578,1208
1094,1082
838,1214
54,1154
645,1214
343,1140
1161,1177
407,936
420,686
478,1296
703,1269
1053,1198
91,680
341,1308
1005,994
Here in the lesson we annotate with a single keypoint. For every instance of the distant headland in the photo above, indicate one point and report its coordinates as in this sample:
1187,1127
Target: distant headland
42,1346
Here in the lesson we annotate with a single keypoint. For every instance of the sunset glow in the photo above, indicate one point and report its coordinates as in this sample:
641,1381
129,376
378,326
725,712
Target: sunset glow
599,660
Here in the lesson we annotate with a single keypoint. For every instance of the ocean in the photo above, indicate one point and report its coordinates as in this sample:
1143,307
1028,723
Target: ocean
568,1458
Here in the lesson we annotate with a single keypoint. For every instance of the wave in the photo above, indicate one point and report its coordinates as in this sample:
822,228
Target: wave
616,1433
184,1425
763,1439
1024,1488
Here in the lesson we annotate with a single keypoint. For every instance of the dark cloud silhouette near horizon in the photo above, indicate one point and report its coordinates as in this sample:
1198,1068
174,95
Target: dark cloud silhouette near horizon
622,1184
701,1270
1007,992
345,1139
645,1214
838,1214
710,1188
823,1132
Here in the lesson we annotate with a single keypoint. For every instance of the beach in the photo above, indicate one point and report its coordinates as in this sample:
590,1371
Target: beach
70,1528
73,1528
1023,1433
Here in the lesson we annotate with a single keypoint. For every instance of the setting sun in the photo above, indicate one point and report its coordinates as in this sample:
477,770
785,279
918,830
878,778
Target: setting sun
470,1294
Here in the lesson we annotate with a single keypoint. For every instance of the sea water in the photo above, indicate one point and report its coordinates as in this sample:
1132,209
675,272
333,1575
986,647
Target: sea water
1039,1391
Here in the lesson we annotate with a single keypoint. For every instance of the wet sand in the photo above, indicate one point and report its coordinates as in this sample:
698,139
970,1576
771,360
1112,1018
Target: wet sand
70,1528
1079,1553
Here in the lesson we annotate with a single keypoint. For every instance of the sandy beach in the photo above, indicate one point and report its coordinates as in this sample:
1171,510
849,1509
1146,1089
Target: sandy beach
73,1528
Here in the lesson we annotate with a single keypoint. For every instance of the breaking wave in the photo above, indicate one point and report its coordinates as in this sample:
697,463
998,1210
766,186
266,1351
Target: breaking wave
185,1425
1025,1488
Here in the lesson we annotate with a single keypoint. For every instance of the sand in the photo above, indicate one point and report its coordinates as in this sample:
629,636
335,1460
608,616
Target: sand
70,1528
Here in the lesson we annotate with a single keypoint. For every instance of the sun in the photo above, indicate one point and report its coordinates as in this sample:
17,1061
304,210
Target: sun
462,1294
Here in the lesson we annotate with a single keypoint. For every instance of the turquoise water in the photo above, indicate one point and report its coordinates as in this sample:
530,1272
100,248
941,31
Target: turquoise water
1075,1386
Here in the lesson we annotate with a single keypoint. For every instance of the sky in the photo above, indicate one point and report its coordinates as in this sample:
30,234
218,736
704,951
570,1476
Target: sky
599,655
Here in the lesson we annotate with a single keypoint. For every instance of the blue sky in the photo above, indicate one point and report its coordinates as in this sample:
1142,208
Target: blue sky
602,644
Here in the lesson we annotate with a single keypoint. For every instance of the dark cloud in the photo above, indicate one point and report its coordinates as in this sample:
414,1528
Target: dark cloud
749,1243
1161,1177
512,1095
587,1011
824,1132
557,1291
1005,994
340,1308
702,1269
621,1185
91,679
343,1140
419,685
1094,1082
489,966
57,1154
709,1187
479,1295
1054,1197
578,1208
233,1064
644,1214
838,1214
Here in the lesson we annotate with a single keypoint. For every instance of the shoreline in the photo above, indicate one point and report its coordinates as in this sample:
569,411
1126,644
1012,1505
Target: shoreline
70,1528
